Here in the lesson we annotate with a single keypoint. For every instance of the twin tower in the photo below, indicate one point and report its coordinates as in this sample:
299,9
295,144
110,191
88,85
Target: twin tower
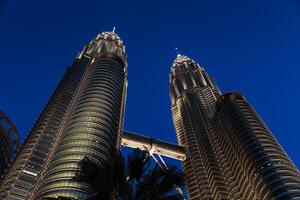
229,153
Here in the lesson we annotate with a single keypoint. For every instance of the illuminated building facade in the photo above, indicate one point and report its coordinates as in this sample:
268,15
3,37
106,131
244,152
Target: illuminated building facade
83,117
25,170
9,142
255,165
230,153
95,121
193,97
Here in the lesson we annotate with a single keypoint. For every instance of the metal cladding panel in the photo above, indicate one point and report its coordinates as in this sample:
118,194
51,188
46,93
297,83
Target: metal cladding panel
82,118
256,165
193,97
231,154
92,129
24,172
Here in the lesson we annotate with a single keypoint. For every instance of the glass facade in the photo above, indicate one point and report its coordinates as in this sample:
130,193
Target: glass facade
193,97
231,154
83,117
227,150
26,169
261,168
94,124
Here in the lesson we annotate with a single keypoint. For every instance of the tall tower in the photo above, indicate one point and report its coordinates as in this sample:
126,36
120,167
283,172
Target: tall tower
231,154
255,164
95,120
25,170
83,117
9,142
193,96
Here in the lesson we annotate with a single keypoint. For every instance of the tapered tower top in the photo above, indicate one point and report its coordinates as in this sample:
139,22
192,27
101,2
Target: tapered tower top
106,42
182,61
190,74
182,64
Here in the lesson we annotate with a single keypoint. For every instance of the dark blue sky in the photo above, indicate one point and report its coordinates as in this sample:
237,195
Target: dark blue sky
248,46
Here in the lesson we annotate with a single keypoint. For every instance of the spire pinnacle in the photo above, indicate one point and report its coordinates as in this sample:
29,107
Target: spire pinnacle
177,51
114,29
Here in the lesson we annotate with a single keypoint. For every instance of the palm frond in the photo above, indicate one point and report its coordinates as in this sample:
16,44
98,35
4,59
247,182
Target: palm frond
136,162
86,170
98,176
123,188
171,197
147,187
108,180
171,176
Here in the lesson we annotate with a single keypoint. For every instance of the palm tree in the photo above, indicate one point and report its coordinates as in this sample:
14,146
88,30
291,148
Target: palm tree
58,198
140,180
107,180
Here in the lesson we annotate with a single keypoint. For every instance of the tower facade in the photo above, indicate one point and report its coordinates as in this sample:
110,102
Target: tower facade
9,142
231,154
23,174
193,97
95,120
83,117
252,158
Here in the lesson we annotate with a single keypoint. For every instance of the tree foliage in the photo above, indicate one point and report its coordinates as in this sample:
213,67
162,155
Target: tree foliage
138,179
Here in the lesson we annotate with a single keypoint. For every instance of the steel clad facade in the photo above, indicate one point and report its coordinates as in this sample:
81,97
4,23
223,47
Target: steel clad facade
193,96
92,127
84,117
256,165
231,154
22,176
228,152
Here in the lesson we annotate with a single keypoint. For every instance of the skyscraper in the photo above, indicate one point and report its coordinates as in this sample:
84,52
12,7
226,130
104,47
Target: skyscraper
227,150
83,117
193,97
22,176
9,142
95,121
252,158
231,154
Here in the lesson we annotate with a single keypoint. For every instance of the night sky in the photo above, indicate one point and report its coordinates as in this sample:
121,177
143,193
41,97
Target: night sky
248,46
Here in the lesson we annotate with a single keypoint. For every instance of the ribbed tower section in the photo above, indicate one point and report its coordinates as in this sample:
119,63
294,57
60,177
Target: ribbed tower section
193,97
256,166
9,142
23,174
93,125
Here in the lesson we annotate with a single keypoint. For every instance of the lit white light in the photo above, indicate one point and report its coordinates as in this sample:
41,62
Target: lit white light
30,173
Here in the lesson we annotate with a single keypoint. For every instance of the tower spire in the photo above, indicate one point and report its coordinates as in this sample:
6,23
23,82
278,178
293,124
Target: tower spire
114,29
177,51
